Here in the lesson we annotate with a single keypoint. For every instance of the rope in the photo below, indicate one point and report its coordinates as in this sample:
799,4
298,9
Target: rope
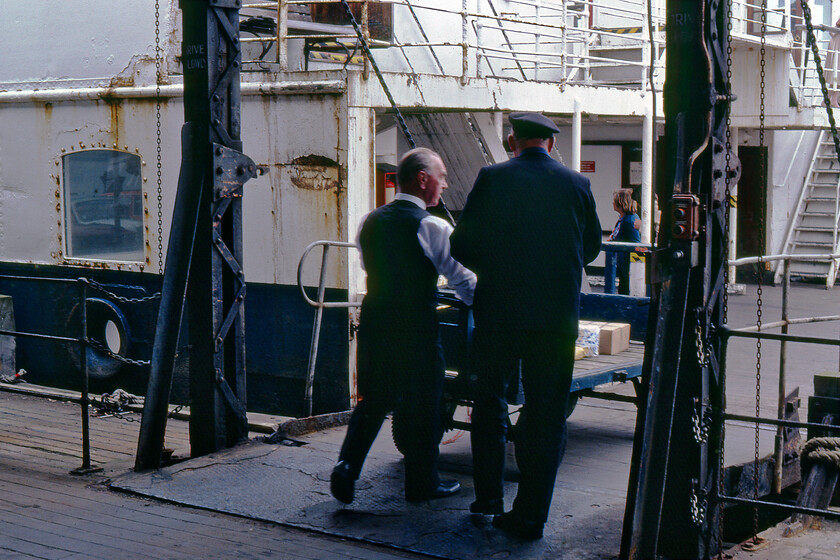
824,450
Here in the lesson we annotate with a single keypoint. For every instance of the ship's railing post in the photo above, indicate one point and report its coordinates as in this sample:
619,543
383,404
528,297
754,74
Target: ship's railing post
282,57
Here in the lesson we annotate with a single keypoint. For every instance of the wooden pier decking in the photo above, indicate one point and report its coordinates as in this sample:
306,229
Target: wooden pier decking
45,512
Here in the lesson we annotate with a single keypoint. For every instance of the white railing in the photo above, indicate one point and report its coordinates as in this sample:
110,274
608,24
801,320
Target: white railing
786,30
593,42
585,42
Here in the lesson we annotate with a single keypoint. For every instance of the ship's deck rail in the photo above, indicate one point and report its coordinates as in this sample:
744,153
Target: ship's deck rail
584,42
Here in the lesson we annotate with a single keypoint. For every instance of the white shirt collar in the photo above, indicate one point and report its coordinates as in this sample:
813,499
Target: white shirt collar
411,198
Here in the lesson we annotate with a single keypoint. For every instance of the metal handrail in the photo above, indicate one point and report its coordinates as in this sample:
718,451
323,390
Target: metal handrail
784,338
548,21
319,306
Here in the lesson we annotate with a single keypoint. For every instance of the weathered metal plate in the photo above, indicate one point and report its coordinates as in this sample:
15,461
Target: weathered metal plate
290,485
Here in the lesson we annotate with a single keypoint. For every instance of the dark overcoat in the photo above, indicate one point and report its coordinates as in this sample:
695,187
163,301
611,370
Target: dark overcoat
527,229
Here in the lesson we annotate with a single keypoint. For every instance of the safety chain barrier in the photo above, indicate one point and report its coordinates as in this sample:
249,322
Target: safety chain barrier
122,299
99,347
108,404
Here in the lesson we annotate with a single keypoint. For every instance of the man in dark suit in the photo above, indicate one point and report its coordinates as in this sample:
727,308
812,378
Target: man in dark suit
527,229
400,359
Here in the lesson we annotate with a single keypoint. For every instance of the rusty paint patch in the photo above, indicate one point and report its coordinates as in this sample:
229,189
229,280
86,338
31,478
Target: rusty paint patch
315,160
315,173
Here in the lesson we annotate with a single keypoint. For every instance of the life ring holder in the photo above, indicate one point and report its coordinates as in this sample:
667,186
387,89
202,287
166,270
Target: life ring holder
107,325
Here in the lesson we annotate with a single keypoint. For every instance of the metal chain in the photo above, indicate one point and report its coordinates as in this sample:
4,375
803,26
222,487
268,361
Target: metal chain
697,505
701,423
403,126
812,40
112,405
703,354
98,346
727,175
727,232
158,80
762,182
122,299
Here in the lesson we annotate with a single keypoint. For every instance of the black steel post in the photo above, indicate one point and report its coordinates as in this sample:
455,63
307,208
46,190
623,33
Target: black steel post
216,291
173,295
675,469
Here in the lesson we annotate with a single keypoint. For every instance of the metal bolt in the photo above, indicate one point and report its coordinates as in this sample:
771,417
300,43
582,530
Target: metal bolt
678,255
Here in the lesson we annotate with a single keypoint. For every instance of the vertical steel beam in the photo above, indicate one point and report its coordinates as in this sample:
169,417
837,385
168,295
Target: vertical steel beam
675,456
216,292
205,252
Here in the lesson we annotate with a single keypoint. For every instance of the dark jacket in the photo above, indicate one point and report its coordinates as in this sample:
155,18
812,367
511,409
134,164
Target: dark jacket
528,228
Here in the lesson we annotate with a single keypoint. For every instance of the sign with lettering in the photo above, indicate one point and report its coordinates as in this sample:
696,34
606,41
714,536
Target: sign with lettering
587,167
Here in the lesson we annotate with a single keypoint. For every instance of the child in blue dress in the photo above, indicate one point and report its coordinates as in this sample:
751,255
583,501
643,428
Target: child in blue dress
627,228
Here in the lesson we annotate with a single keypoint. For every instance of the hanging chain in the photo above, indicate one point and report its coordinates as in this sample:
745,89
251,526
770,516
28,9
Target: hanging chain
697,504
703,351
726,236
158,80
762,185
400,120
812,40
728,171
701,423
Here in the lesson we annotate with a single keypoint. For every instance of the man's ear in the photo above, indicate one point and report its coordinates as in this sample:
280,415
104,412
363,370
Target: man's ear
422,177
550,144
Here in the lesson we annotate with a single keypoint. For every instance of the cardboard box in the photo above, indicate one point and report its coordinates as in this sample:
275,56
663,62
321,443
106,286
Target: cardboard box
614,338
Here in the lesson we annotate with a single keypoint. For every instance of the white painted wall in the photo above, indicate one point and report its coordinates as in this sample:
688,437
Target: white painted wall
57,44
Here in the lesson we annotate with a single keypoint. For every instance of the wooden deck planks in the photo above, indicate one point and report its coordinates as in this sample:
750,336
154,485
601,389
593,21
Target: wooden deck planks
47,513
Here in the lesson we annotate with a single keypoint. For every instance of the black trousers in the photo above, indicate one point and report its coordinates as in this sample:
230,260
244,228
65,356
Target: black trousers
547,363
402,372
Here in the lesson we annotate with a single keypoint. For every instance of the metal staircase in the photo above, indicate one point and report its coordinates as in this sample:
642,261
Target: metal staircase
814,227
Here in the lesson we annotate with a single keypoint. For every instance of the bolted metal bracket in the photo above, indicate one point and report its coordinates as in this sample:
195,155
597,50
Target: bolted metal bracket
231,169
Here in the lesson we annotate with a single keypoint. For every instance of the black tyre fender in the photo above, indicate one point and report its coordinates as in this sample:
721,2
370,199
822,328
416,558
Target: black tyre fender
104,321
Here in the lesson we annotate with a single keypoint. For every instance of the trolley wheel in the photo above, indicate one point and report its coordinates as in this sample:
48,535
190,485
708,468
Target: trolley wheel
570,406
402,435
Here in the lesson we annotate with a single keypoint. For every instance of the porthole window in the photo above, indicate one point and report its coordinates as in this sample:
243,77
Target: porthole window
103,205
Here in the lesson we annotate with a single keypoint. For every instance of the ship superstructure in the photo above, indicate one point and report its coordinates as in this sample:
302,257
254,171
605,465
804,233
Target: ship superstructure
84,193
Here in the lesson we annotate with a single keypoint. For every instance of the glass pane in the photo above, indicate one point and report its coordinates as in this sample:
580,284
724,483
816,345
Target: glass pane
103,205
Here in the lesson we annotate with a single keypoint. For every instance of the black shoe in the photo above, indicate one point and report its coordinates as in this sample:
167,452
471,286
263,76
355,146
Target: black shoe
444,489
488,507
515,526
342,483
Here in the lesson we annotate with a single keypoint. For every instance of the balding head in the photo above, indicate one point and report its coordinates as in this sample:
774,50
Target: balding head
421,173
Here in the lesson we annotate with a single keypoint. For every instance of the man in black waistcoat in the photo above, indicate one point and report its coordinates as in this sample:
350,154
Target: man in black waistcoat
400,358
527,229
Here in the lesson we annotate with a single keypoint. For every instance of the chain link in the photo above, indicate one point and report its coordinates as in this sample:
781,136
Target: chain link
703,352
99,347
122,299
158,80
812,41
762,182
701,424
114,404
726,235
697,505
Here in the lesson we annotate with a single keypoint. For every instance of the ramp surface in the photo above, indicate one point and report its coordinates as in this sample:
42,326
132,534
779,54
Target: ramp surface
290,485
